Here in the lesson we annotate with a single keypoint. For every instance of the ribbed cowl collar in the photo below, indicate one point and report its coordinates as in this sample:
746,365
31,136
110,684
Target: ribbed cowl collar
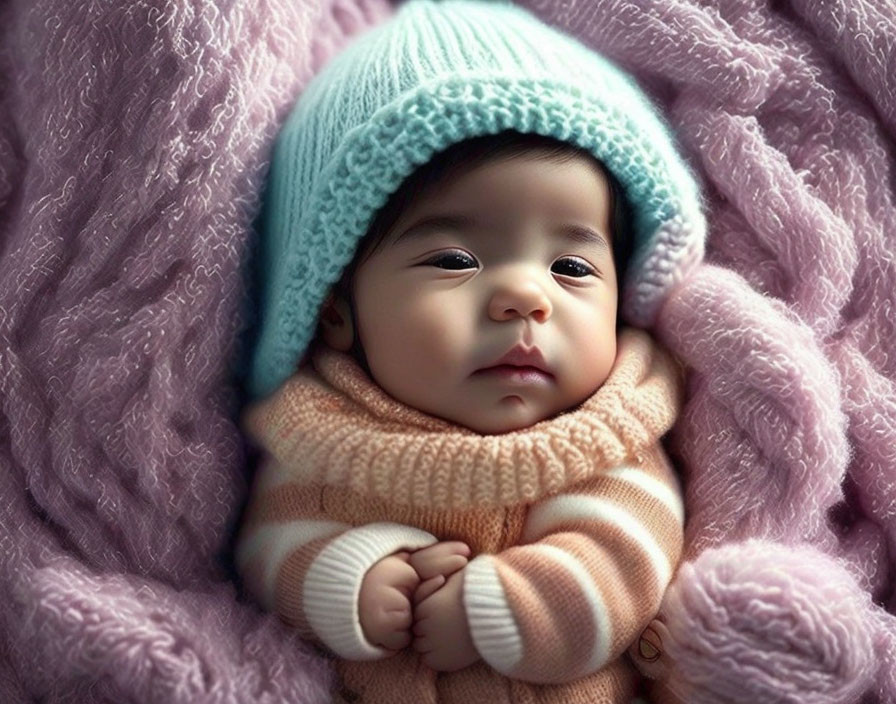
331,424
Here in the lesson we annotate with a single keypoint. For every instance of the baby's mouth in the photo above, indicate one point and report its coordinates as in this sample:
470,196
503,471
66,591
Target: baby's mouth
517,374
520,357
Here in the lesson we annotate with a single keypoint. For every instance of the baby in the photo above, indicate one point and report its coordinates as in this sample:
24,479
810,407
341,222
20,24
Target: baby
462,492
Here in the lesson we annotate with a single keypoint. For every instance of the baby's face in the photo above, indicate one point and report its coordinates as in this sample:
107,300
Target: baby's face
442,300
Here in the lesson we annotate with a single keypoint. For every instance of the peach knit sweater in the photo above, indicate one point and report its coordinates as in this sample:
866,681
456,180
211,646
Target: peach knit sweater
575,524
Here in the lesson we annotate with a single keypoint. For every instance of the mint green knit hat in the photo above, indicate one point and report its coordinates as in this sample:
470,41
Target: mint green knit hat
437,73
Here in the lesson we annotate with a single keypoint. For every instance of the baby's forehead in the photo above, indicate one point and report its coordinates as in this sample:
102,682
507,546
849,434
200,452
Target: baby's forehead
495,229
493,192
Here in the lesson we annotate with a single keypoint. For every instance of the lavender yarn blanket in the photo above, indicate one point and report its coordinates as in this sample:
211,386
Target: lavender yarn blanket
134,139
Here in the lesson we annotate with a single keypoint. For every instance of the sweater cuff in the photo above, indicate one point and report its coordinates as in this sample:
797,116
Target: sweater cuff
493,625
333,583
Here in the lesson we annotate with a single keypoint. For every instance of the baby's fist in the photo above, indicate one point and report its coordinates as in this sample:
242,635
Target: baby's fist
436,563
442,633
384,604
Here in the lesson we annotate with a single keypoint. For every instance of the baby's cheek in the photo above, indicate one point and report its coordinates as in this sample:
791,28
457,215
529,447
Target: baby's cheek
440,325
408,347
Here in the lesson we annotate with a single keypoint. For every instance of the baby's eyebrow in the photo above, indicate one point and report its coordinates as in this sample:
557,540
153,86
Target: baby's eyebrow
581,234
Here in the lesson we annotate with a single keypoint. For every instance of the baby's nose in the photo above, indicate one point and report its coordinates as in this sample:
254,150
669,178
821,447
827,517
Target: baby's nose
520,296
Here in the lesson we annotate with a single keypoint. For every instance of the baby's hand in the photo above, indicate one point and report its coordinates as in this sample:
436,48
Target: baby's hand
384,603
436,563
441,632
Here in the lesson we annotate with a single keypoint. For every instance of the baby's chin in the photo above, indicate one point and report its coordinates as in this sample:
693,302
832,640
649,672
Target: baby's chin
510,414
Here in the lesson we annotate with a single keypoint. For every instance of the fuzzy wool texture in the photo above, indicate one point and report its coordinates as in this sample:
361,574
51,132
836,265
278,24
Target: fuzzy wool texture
742,603
134,139
788,436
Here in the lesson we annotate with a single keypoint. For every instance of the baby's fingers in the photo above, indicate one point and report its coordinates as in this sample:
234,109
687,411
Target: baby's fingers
428,587
393,620
440,559
398,636
405,580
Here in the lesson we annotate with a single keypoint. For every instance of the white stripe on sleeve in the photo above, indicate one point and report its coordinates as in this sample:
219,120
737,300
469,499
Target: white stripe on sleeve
670,497
276,541
600,615
492,623
571,507
333,582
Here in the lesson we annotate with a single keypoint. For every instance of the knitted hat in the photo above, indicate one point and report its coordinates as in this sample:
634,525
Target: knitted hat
435,74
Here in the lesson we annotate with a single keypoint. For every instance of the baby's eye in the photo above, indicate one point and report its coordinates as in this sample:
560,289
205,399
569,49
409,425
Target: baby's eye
574,267
453,260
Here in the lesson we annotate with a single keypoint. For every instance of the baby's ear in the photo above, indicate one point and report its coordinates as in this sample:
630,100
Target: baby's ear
336,326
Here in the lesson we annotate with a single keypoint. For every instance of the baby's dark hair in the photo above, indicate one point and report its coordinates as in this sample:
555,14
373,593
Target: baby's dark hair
465,156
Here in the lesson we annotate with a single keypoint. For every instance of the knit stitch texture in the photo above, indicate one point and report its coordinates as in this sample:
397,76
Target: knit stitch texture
385,106
409,457
575,524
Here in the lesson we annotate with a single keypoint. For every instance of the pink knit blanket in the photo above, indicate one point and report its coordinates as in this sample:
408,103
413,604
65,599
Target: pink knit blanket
134,139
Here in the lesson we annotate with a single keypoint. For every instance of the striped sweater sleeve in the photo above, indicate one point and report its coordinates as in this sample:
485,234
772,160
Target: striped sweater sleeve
308,569
589,575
